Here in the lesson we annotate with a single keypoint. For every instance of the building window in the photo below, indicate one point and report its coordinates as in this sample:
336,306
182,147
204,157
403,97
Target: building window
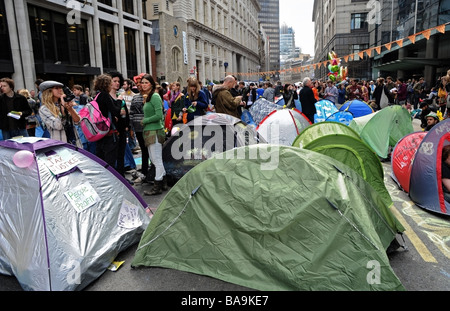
108,47
356,48
130,50
358,21
107,2
167,5
54,39
176,60
127,6
155,9
5,52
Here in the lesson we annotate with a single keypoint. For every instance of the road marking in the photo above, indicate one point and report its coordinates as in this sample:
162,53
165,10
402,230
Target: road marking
415,240
436,229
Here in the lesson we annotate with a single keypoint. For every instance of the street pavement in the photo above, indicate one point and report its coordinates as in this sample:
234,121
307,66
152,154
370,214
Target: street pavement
418,270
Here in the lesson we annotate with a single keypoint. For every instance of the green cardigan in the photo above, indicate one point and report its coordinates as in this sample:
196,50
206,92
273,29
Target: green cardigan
153,114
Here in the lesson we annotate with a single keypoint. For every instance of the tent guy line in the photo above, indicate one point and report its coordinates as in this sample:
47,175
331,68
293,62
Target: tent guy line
174,220
414,238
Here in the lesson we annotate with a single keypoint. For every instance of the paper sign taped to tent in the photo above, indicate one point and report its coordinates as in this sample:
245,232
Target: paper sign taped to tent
82,197
61,162
129,216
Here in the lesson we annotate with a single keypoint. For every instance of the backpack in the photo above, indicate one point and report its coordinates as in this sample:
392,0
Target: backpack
93,124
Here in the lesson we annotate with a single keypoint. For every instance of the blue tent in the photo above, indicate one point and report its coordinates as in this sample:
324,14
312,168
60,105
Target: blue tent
344,117
357,107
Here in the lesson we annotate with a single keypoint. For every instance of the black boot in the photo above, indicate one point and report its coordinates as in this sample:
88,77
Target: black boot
164,184
156,188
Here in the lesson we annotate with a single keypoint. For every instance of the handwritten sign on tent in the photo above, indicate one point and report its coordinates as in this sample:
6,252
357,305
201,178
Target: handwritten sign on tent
61,162
82,196
129,216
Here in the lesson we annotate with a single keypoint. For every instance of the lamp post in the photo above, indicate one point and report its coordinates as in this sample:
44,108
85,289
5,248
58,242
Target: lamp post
225,64
258,74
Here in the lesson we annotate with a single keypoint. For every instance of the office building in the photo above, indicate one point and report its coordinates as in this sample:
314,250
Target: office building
72,41
270,21
426,57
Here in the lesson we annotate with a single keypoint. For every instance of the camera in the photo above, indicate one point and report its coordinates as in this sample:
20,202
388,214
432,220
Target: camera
69,95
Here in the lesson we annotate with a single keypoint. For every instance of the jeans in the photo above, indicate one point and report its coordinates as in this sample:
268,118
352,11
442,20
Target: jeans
13,133
90,146
144,151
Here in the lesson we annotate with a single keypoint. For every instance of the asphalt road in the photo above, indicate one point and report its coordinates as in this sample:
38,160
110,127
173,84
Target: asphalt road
421,263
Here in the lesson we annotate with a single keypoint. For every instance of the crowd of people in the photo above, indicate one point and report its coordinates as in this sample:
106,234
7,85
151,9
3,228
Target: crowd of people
144,112
138,108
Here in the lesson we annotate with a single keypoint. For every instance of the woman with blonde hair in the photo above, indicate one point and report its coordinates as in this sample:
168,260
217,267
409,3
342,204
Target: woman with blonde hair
32,121
196,102
58,114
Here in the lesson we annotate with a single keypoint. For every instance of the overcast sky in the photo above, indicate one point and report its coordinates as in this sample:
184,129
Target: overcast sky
298,15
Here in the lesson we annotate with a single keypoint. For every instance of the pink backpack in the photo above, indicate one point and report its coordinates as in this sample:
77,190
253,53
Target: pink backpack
93,124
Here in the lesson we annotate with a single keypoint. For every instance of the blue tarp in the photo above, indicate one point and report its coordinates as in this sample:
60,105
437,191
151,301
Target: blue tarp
324,109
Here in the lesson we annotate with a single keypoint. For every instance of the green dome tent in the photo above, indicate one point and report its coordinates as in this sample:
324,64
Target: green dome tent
315,131
342,143
384,128
309,223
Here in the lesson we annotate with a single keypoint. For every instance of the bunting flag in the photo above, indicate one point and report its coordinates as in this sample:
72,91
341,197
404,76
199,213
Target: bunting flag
441,28
427,34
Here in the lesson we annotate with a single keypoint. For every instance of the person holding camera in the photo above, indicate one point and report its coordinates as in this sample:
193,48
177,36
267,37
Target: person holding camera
57,112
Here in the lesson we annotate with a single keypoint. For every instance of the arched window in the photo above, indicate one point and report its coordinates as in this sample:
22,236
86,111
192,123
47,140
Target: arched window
176,59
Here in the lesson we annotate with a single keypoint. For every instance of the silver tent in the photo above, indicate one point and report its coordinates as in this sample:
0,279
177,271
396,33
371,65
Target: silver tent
64,214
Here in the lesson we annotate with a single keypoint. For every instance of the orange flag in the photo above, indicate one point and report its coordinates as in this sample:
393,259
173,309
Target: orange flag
412,39
369,52
361,54
441,28
378,49
427,33
388,46
399,42
346,58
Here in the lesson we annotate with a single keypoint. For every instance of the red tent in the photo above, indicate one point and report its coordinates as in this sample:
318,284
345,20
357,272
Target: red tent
403,156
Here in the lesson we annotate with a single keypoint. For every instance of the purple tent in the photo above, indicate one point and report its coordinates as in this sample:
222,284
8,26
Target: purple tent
64,214
426,177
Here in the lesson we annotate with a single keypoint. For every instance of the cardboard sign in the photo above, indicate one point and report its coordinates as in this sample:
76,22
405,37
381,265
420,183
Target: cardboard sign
129,216
61,162
82,197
